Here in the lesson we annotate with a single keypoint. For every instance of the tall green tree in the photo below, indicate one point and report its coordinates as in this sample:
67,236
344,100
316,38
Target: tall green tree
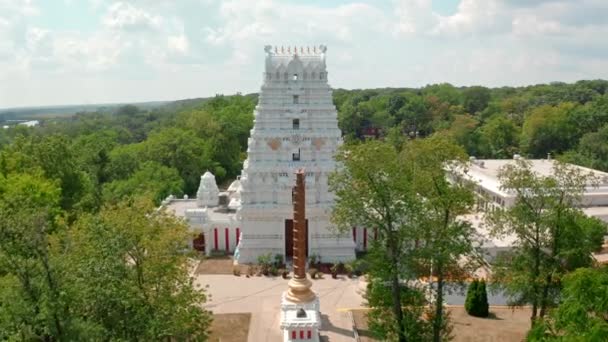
152,180
547,129
499,137
33,304
553,236
445,240
582,313
373,189
130,275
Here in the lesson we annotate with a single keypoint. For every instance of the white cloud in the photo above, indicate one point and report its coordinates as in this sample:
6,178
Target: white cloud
125,16
204,47
178,43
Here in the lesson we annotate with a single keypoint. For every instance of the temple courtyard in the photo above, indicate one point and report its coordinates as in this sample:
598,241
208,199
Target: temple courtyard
261,296
257,300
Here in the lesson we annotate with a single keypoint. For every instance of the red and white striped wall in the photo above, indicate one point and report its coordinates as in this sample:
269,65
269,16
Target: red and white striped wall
362,237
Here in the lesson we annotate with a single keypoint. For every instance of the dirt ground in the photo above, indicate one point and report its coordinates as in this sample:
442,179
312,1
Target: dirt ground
218,265
230,327
504,325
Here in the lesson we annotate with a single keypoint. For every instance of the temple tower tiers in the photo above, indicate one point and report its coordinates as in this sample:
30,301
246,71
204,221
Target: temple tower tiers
295,127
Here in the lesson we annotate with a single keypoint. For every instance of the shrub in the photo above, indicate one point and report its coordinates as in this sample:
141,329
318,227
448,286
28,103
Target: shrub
278,260
314,259
476,303
265,262
236,270
313,272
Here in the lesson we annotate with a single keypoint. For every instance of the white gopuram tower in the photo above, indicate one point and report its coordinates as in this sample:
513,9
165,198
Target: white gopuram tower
295,127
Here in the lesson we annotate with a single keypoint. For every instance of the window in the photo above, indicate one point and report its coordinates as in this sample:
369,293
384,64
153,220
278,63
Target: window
296,123
296,99
295,77
296,156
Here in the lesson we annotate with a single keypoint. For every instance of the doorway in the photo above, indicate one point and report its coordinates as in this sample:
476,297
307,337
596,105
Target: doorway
198,243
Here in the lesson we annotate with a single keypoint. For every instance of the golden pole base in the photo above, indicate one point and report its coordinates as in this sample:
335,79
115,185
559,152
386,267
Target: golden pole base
299,291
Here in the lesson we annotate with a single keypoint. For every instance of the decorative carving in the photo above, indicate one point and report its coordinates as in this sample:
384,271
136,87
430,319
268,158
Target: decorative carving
274,144
296,139
318,143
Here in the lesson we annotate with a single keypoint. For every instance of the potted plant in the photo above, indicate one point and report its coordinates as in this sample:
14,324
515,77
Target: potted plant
348,268
313,272
334,271
250,271
284,273
264,261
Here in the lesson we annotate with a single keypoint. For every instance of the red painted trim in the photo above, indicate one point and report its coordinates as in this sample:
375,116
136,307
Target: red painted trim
364,238
215,238
227,233
301,334
294,334
309,334
355,234
238,235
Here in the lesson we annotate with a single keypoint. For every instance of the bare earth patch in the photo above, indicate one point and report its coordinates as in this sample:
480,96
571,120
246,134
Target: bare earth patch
218,265
504,325
230,327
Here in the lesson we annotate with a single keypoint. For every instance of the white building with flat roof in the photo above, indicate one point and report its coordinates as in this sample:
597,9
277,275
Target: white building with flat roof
484,174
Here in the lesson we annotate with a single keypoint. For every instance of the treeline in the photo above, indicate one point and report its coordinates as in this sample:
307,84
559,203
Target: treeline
104,157
567,120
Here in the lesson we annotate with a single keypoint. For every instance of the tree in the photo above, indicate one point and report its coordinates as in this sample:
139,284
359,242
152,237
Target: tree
463,131
476,303
130,275
548,129
55,158
499,137
152,180
476,99
582,313
592,150
32,300
552,235
471,301
445,241
374,189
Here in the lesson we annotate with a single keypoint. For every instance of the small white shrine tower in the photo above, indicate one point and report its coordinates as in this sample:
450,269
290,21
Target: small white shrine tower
295,127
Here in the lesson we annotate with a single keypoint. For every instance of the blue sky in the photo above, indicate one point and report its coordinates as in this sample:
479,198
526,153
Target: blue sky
56,52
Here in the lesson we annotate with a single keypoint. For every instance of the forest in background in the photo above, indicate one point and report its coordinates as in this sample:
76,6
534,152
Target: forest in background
105,156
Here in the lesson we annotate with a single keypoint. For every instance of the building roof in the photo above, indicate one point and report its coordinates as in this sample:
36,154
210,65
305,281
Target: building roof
485,172
179,207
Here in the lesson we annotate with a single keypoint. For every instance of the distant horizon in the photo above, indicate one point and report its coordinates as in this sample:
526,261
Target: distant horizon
5,109
107,51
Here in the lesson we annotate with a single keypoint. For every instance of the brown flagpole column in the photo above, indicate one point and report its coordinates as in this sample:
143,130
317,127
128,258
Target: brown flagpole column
299,285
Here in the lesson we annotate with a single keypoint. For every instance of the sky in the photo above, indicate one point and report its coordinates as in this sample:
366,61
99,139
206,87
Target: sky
55,52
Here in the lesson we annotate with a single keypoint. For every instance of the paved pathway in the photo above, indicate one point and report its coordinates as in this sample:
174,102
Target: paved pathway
262,297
